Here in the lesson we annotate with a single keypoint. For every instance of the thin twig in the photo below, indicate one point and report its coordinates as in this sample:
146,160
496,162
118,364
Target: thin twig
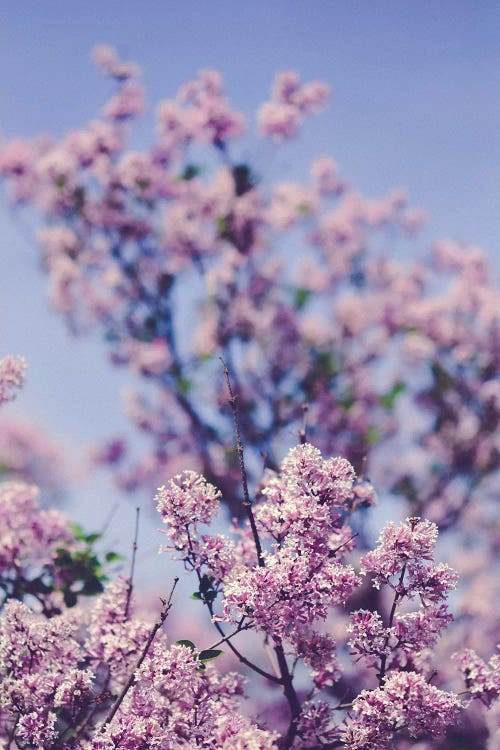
238,653
132,564
286,678
244,481
226,638
303,430
220,630
167,603
383,657
334,551
109,518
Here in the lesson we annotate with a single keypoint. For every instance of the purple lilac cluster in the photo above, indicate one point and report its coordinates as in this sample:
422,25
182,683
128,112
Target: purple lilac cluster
299,574
12,374
100,678
126,232
343,345
59,677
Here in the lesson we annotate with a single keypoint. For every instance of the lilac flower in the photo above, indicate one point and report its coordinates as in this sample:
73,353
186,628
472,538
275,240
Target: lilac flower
482,679
12,375
318,652
304,503
409,548
186,501
289,592
38,729
406,701
368,637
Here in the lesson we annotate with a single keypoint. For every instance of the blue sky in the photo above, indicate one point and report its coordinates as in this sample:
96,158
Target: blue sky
416,104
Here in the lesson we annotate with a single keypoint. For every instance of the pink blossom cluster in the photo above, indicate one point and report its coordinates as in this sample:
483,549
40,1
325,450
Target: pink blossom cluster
186,501
407,702
29,454
482,679
60,676
29,542
297,574
12,374
183,253
128,233
281,117
403,562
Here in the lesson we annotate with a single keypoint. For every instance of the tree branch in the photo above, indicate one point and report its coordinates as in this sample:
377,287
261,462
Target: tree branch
132,564
163,616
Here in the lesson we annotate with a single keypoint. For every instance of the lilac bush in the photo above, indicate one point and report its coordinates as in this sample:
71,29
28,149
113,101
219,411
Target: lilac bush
102,678
296,285
336,359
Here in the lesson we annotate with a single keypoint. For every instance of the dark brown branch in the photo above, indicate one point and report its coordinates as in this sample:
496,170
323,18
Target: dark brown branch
167,603
220,630
132,564
383,657
227,638
244,481
303,430
290,695
286,679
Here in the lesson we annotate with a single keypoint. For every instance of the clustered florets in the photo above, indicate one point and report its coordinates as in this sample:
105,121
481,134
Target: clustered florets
403,562
301,517
482,679
407,702
60,673
12,375
187,500
124,229
45,694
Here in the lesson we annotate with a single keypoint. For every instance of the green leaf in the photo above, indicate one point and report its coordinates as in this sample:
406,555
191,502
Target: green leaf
184,385
91,538
373,436
77,531
301,297
196,596
389,399
113,557
209,654
222,225
188,644
190,172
